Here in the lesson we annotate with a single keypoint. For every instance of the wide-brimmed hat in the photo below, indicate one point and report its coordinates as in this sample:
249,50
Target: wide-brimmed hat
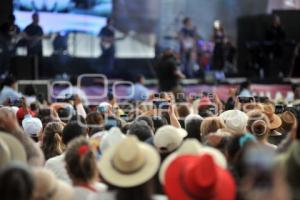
129,163
275,121
288,120
168,138
47,186
113,137
10,149
192,147
253,106
32,125
235,121
198,177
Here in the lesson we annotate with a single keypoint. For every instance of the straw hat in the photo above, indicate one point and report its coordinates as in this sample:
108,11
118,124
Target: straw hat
47,186
168,138
235,121
130,163
192,147
253,106
10,149
275,121
288,120
191,177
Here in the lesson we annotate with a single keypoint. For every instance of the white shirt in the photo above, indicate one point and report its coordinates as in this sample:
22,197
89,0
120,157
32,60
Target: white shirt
82,193
112,196
57,165
8,93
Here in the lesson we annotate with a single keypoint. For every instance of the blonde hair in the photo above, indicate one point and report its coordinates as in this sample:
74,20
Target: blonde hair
210,125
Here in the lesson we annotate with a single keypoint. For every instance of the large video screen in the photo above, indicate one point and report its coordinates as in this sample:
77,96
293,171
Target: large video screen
83,16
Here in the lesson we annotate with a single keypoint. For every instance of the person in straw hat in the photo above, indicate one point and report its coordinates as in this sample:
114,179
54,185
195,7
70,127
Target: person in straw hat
129,167
190,177
259,125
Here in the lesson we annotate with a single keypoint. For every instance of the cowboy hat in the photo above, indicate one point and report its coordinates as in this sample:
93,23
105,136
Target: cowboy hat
129,163
275,121
288,120
235,121
191,177
192,147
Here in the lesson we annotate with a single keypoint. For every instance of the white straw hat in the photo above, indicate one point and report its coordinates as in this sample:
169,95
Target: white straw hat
168,138
130,163
235,121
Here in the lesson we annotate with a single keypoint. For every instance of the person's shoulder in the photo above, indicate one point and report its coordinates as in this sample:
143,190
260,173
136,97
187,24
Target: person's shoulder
102,196
53,161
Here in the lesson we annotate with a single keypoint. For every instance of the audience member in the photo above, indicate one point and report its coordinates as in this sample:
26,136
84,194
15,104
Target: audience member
82,169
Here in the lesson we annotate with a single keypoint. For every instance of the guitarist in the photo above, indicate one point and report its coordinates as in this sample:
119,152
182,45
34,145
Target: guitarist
187,40
107,44
34,35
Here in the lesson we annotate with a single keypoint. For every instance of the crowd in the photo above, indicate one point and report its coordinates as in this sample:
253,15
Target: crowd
160,148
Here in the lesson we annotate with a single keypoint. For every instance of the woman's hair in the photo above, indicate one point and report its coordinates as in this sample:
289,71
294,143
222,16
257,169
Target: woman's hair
52,144
258,124
192,126
94,120
183,111
81,161
210,125
141,192
16,182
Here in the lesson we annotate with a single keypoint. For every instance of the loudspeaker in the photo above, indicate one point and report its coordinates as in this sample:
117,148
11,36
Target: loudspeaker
23,67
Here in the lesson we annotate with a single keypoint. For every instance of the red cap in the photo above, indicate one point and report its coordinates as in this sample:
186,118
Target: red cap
204,102
191,177
21,114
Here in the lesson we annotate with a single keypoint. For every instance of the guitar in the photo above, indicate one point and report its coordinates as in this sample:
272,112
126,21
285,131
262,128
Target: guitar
107,42
35,40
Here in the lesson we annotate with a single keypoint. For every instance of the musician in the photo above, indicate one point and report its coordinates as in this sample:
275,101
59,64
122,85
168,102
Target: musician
9,33
187,38
276,37
107,36
34,35
218,60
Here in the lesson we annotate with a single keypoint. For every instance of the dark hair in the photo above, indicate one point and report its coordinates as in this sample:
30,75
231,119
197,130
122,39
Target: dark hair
108,20
16,182
159,122
186,20
73,130
146,119
52,143
140,192
192,126
138,78
73,80
141,130
9,80
81,166
244,85
94,118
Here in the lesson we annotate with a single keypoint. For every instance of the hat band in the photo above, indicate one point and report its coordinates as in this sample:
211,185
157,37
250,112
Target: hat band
126,171
208,195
